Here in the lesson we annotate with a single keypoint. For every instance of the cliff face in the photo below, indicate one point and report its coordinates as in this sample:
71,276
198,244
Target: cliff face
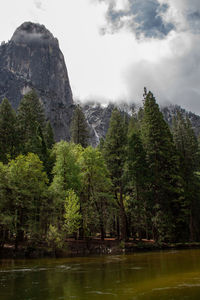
98,118
32,59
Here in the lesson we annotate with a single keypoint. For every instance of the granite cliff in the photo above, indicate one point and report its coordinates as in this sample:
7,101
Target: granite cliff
32,60
98,117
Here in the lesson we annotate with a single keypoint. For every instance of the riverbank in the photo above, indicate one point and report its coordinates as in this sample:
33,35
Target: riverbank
90,247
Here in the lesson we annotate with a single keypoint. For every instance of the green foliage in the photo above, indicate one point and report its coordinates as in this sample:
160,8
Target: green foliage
49,136
79,128
28,184
139,182
66,176
6,206
122,245
55,238
8,133
66,170
187,147
101,144
136,174
72,212
96,193
114,148
31,124
186,144
27,175
136,159
30,112
165,182
115,155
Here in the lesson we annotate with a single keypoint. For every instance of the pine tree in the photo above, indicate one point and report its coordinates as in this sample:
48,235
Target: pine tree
8,132
164,177
114,153
7,215
49,136
79,128
136,173
48,144
187,146
30,113
31,125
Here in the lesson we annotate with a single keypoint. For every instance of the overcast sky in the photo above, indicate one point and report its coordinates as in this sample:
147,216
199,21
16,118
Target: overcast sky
113,48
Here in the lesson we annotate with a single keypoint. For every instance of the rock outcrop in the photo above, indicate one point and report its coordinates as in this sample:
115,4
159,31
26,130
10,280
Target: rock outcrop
98,117
170,111
32,60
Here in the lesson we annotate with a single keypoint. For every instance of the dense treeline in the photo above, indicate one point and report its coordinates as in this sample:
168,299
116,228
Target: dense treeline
141,182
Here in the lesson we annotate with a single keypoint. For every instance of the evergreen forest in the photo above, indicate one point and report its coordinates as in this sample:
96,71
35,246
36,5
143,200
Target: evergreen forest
141,182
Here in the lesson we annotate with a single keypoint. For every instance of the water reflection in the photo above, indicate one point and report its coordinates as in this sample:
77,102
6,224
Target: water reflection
157,275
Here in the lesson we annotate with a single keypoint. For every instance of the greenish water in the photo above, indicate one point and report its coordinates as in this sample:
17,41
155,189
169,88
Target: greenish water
167,275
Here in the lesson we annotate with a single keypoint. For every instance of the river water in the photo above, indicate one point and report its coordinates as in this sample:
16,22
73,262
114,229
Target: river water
166,275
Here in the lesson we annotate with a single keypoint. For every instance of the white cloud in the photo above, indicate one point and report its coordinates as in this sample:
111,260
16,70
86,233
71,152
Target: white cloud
122,5
38,4
117,66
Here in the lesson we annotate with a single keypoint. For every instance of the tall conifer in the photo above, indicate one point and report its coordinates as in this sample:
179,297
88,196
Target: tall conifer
79,128
8,132
164,183
187,146
49,136
136,181
31,125
114,153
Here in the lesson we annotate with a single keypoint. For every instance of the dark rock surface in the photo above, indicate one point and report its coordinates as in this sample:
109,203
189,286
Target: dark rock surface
170,111
98,117
32,59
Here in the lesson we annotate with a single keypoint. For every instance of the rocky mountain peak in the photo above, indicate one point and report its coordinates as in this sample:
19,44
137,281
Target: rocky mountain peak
32,60
33,33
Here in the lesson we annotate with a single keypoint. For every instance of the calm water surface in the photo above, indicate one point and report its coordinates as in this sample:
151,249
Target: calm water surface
163,275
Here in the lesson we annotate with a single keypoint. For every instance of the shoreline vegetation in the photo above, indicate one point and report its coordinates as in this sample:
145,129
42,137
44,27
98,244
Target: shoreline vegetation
89,247
140,186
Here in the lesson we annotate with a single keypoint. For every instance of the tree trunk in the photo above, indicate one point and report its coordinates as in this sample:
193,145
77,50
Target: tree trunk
118,231
191,228
122,217
101,221
81,229
102,232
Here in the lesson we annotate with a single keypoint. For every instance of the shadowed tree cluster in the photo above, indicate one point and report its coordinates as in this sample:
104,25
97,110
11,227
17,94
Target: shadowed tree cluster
142,181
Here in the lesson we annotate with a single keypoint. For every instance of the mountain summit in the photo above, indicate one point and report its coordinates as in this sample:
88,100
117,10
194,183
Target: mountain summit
29,33
32,60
